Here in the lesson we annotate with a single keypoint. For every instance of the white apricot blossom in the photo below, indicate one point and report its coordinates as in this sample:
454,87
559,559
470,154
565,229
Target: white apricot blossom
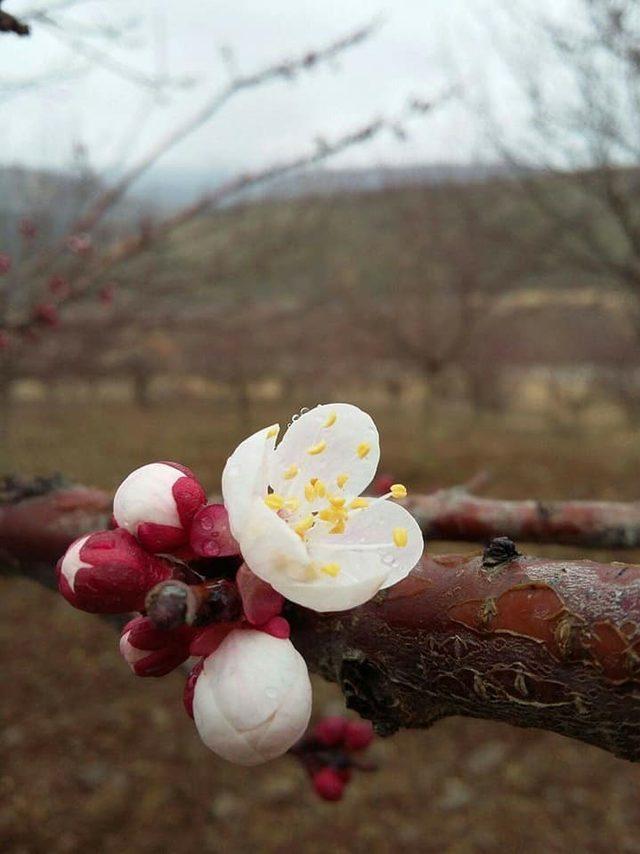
297,513
252,700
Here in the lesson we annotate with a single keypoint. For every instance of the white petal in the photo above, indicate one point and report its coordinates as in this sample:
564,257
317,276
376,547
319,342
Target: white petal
271,548
366,548
252,700
351,429
333,594
146,496
72,561
245,476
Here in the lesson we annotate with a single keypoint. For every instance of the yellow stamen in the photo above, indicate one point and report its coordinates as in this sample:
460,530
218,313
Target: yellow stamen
398,490
358,503
363,450
309,492
338,528
292,504
400,537
272,431
331,569
320,489
274,501
303,526
314,450
341,480
337,501
331,420
326,515
291,472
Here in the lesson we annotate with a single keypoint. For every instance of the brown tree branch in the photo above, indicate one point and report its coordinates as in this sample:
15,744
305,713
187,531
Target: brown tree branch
532,642
11,24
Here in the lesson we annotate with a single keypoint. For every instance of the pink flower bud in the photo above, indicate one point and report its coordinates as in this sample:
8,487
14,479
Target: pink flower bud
277,627
152,652
27,228
210,535
106,294
190,687
46,313
330,731
109,573
79,244
5,263
59,287
252,701
259,600
157,503
383,483
358,735
328,784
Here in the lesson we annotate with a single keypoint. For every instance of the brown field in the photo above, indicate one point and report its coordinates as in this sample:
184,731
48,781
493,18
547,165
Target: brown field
95,760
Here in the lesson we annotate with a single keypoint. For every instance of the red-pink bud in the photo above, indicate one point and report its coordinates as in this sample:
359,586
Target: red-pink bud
259,600
59,287
383,483
4,340
358,735
328,784
157,503
277,627
5,263
27,228
210,535
106,294
79,244
330,731
190,687
109,573
47,313
149,651
208,639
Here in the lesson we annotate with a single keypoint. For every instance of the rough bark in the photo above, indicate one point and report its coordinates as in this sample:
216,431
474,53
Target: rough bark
533,642
455,514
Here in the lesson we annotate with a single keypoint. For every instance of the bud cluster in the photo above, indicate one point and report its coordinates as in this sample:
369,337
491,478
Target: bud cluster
170,556
329,754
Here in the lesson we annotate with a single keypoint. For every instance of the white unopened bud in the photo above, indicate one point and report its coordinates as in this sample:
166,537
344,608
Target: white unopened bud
252,701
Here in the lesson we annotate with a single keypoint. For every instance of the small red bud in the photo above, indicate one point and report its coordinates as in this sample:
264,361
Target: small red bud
59,287
27,228
210,535
46,313
383,483
79,244
330,731
106,294
4,340
358,735
5,263
328,784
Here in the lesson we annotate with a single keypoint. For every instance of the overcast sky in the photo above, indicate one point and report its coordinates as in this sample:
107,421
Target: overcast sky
422,47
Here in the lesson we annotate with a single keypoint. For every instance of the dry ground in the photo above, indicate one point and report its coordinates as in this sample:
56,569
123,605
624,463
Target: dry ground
94,760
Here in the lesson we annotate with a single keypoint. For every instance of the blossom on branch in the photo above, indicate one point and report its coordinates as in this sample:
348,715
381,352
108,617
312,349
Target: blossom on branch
297,513
252,700
157,503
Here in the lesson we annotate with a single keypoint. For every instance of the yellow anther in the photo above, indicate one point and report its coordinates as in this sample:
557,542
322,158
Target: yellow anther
400,537
398,490
341,480
272,431
338,528
291,472
363,450
292,504
326,515
274,501
304,525
309,492
314,450
331,420
337,501
331,569
358,503
320,488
